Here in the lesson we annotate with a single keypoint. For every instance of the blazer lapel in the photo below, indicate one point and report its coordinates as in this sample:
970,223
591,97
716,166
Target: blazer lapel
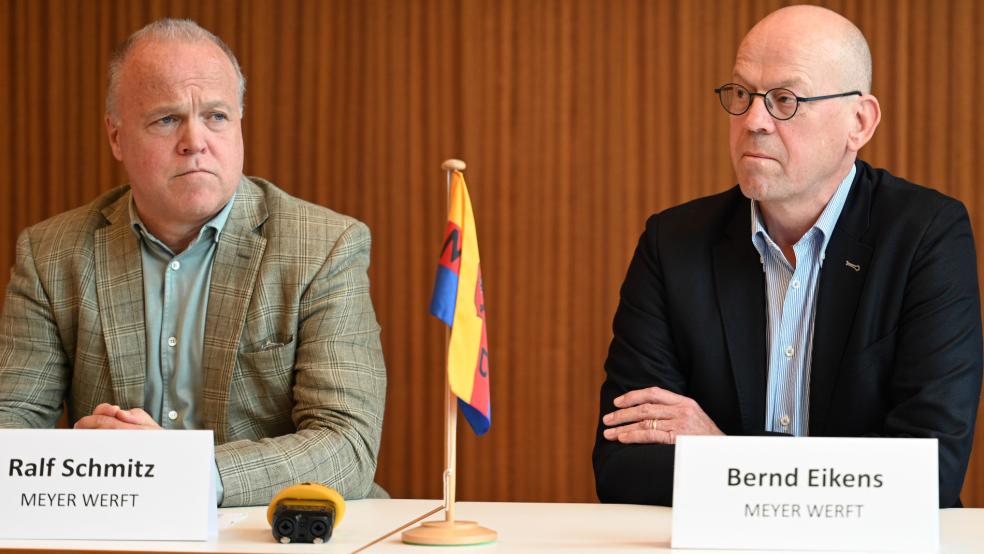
120,293
740,286
237,261
842,277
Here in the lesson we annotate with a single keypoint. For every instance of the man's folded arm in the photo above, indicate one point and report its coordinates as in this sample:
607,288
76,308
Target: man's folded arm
338,391
642,354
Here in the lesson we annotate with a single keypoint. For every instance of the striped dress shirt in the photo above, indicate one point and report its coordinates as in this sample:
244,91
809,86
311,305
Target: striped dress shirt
791,294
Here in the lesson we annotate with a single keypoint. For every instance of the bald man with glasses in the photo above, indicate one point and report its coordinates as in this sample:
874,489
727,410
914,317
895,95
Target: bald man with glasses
819,297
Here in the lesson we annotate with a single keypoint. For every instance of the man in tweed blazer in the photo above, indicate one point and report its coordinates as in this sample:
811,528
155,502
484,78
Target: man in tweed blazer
290,373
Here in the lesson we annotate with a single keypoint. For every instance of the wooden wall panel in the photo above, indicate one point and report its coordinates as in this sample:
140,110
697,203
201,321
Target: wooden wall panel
578,118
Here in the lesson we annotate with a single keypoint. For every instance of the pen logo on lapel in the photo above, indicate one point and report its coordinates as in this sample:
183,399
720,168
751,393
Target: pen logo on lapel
855,267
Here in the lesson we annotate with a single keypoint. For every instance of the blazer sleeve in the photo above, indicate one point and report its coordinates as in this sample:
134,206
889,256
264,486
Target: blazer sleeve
338,391
642,354
34,369
935,386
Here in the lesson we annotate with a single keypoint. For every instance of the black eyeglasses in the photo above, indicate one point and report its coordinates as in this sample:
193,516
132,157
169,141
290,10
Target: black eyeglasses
780,102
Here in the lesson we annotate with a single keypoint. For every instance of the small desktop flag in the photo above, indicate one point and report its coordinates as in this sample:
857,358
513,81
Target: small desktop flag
459,302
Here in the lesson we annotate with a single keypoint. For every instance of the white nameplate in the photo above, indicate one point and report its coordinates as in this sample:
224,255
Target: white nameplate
818,493
110,485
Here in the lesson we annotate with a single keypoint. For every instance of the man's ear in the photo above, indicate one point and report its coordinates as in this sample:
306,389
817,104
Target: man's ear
113,132
867,115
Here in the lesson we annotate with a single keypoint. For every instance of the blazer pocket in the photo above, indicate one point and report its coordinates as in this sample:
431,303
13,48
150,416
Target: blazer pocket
272,342
880,351
274,355
873,365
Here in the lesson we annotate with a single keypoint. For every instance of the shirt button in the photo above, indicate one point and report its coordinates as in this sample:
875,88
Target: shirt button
175,265
784,420
172,415
795,283
171,341
788,352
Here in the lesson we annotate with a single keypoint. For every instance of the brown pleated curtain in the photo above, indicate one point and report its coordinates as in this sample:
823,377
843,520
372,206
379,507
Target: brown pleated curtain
577,119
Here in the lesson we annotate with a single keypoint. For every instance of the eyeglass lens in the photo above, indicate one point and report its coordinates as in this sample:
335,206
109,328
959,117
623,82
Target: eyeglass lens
780,102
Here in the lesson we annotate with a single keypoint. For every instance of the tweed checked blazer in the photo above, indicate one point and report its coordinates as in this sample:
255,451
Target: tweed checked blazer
294,379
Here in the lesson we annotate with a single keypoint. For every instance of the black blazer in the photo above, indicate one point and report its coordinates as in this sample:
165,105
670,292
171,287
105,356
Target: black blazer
896,345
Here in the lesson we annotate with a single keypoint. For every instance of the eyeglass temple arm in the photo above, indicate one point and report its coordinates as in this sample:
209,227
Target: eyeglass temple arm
826,96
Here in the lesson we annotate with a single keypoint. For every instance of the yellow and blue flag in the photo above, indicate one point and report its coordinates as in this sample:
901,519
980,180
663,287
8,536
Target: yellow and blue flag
459,302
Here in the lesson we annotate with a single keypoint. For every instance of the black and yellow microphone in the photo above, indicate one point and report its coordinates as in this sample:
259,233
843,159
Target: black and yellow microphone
306,512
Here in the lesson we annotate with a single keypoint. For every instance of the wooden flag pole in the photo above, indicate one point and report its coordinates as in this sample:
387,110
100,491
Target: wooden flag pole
450,531
450,400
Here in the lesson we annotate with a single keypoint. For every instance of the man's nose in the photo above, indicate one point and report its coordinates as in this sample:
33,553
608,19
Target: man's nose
757,118
192,137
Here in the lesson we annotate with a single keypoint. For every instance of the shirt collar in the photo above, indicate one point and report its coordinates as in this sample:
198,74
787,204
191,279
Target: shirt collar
211,229
825,223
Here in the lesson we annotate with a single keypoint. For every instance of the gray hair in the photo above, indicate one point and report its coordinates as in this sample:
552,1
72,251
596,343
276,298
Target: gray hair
184,30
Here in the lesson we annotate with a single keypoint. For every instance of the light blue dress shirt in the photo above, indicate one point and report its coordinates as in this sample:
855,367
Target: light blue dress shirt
175,304
791,295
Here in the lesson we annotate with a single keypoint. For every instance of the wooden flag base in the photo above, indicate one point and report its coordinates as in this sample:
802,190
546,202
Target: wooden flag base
449,533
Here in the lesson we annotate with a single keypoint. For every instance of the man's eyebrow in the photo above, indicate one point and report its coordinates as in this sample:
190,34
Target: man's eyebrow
216,104
165,110
179,108
795,84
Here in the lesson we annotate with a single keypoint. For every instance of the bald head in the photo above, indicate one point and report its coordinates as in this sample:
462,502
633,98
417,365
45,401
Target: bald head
792,165
818,41
161,32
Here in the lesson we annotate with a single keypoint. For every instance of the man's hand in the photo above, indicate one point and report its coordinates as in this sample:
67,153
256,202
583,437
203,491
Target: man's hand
109,416
656,415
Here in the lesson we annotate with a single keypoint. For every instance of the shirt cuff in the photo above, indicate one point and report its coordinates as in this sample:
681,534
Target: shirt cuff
219,491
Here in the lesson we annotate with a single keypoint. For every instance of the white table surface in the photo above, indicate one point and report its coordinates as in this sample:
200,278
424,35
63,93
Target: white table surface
522,527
